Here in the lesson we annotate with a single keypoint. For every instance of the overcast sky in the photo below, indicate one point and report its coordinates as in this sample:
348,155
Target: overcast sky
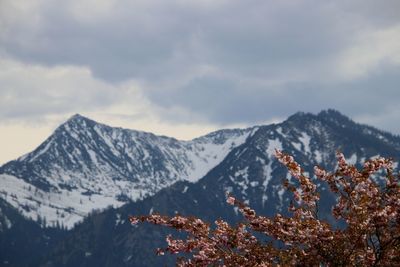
184,68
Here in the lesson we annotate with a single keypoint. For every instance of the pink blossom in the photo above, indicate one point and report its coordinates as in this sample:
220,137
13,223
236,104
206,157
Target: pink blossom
367,209
133,220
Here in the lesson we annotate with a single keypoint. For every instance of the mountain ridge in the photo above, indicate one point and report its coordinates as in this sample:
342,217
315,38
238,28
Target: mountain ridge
250,172
85,165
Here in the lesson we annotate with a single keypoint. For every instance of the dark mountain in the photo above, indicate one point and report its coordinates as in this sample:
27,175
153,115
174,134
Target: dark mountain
24,242
249,171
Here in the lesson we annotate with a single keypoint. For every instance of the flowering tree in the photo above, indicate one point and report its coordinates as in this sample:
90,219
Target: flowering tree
371,236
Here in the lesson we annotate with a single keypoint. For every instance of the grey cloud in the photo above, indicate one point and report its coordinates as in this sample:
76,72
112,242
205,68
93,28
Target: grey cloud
37,104
226,102
267,58
378,13
33,93
142,41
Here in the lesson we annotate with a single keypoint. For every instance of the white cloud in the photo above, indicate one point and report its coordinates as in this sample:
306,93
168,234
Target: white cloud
35,99
370,51
31,92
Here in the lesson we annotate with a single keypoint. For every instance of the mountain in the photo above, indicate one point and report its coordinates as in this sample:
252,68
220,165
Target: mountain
249,171
85,165
24,242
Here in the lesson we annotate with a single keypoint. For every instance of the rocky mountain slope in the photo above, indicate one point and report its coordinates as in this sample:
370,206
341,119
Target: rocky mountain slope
85,166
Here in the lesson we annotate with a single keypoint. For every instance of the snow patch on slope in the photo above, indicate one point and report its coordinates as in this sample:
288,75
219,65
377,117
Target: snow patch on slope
63,207
318,156
5,223
353,159
267,177
47,146
272,145
305,140
205,156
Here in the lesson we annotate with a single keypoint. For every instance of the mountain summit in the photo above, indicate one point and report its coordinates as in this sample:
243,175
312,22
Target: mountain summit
85,165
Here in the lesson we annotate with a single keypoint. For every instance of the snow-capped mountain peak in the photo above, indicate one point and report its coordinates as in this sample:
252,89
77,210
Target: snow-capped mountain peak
89,165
